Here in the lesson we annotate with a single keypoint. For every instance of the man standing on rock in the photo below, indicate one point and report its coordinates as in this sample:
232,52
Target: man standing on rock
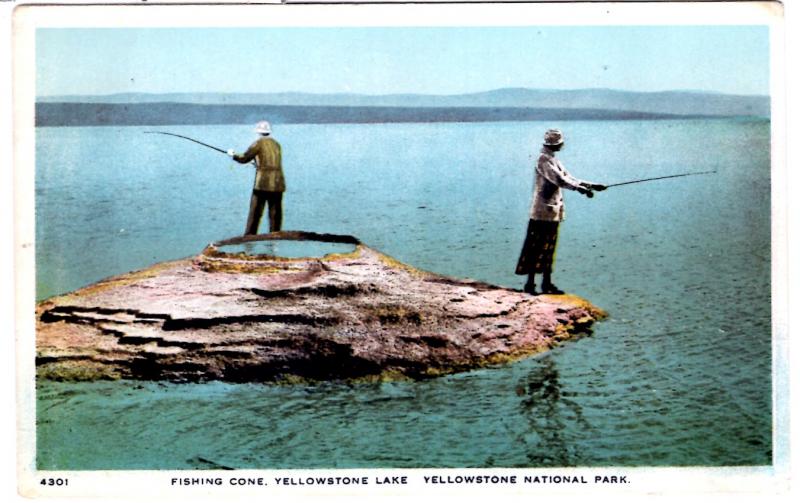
547,211
269,184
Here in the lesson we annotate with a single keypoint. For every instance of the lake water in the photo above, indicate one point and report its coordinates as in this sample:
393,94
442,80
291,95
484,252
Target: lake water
288,249
680,373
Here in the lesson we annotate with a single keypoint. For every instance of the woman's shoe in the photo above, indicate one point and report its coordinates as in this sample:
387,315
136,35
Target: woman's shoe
551,289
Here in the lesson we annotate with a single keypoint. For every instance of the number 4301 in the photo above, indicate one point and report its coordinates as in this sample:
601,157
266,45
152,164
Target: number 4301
54,482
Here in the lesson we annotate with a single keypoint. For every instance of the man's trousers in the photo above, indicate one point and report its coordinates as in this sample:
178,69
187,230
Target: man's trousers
257,202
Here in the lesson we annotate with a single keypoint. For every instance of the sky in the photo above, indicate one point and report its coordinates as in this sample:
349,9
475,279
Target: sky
727,59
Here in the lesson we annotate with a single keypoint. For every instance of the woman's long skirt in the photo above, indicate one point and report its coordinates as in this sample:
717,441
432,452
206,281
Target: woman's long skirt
539,251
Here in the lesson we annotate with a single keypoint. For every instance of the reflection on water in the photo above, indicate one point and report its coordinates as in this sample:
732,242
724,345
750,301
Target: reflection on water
540,409
288,248
547,413
267,248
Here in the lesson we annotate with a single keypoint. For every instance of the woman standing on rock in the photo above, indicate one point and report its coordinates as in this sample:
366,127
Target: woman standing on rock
547,211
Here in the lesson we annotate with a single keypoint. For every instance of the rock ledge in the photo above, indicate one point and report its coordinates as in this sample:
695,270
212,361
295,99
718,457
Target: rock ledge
261,318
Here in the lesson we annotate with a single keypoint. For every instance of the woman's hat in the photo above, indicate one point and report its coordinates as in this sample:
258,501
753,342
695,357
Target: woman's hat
553,137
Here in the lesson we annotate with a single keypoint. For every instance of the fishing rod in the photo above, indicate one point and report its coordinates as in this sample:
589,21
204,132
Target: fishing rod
660,178
190,139
195,141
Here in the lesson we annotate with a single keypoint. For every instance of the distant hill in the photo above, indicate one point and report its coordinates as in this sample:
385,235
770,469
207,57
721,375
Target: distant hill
667,102
151,114
497,105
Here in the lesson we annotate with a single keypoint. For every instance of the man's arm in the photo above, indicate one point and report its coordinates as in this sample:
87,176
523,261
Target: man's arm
247,156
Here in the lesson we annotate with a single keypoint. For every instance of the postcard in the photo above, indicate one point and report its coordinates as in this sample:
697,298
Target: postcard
353,250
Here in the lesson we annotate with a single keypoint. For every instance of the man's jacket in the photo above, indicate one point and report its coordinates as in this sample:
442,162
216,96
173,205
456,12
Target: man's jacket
548,201
269,173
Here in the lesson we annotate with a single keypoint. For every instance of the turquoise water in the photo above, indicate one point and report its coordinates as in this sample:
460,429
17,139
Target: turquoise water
680,374
288,249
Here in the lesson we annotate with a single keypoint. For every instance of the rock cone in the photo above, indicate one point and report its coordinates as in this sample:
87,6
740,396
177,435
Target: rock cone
261,318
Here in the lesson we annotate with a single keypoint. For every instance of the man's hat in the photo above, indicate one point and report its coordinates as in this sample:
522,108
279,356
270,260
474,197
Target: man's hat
263,127
553,137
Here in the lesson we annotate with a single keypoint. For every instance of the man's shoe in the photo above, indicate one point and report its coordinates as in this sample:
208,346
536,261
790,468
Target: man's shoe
530,289
551,289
